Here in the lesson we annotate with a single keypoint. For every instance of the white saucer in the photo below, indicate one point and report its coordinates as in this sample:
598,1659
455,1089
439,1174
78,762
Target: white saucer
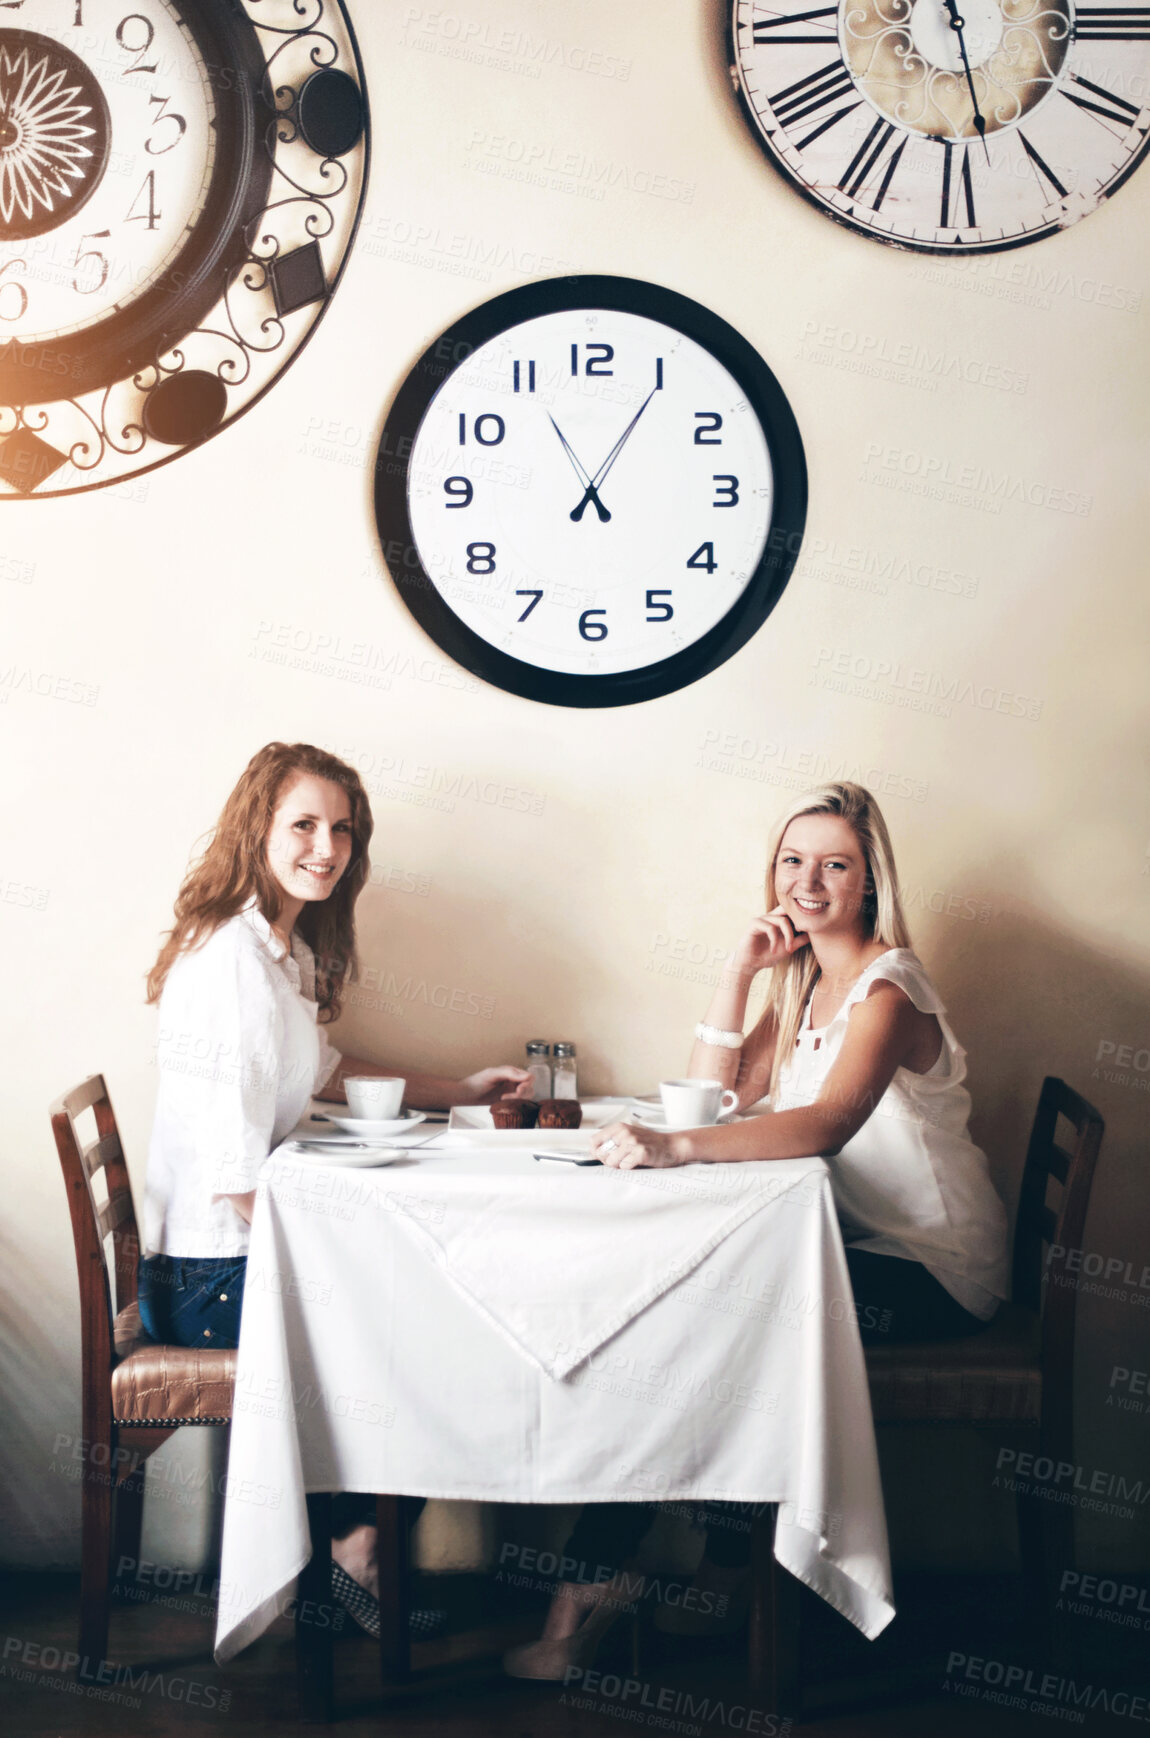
370,1127
361,1156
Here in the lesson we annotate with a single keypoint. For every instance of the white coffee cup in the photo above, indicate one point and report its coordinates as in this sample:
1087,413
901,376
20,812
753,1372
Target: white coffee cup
695,1103
375,1098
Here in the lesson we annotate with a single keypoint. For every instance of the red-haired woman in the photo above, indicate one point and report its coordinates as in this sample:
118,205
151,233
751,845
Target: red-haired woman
252,971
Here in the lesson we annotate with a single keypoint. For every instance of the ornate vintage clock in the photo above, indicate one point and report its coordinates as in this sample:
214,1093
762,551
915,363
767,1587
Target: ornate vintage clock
951,126
179,185
590,491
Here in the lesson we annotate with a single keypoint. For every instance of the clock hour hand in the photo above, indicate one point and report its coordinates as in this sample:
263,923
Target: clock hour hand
594,482
957,24
592,494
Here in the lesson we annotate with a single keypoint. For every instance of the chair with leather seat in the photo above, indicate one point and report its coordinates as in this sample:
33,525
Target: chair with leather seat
1018,1372
136,1393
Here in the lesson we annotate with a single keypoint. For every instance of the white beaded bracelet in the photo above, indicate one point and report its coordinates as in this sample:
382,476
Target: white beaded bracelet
715,1035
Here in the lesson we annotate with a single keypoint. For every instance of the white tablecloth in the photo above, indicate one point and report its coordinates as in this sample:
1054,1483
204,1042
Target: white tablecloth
476,1324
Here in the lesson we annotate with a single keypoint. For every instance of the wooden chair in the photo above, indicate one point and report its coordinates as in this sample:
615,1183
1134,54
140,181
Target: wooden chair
136,1393
1018,1373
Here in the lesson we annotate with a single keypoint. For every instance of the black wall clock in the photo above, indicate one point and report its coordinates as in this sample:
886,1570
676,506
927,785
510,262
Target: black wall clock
179,185
590,491
949,126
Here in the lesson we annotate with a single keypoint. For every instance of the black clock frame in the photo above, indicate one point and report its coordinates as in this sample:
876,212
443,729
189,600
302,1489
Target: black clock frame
957,250
788,507
130,337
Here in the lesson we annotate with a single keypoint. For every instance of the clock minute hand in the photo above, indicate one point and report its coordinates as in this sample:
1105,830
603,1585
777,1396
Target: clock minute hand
581,472
957,24
595,481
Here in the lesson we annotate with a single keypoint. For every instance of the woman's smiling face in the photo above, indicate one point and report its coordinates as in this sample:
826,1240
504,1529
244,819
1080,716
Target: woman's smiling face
310,839
821,875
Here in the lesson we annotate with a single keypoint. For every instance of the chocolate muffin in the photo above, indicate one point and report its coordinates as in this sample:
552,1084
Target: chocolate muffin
514,1113
560,1113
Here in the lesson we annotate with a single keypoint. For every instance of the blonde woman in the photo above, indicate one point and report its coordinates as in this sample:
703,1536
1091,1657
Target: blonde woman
248,978
860,1065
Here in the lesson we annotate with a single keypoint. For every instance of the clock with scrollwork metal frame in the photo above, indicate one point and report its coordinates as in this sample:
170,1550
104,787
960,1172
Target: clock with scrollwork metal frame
180,184
947,126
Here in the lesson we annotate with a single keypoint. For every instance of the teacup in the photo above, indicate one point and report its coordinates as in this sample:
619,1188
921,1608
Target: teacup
695,1103
375,1098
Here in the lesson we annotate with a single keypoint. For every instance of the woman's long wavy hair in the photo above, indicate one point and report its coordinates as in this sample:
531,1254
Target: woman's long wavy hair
234,865
792,982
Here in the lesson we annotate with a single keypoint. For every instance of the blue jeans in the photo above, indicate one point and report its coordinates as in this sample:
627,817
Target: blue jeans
192,1300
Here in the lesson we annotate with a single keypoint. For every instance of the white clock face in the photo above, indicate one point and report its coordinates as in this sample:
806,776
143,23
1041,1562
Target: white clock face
107,144
948,125
590,491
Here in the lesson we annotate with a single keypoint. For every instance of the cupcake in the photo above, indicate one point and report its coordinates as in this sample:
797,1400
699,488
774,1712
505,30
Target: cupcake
560,1113
514,1113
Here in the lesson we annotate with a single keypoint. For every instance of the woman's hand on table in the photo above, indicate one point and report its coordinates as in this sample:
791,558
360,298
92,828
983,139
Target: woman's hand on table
626,1146
491,1084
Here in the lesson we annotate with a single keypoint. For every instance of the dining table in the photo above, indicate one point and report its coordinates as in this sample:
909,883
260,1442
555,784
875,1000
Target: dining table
455,1317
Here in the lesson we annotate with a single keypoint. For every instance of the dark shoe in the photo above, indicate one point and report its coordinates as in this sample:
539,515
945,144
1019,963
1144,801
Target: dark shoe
425,1624
363,1608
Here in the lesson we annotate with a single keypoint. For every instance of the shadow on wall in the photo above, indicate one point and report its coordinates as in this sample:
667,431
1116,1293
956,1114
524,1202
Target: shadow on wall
39,1411
1028,1000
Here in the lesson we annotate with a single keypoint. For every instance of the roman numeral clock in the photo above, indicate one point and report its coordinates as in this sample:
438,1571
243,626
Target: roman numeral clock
180,182
590,491
950,126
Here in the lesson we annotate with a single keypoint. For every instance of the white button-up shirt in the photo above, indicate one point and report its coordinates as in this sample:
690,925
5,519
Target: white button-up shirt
239,1056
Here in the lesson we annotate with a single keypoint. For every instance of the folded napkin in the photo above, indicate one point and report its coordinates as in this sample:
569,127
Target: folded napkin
560,1263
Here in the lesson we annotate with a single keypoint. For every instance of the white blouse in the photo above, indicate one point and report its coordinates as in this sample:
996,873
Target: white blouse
911,1183
239,1056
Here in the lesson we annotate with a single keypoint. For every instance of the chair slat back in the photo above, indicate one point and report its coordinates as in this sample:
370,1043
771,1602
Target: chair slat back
1045,1237
1058,1227
103,1277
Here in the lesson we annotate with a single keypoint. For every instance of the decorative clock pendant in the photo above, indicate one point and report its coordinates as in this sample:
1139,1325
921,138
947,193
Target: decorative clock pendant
950,126
180,182
591,491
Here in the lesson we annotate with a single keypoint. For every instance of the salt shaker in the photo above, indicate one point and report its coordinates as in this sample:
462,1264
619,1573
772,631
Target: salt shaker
539,1068
564,1084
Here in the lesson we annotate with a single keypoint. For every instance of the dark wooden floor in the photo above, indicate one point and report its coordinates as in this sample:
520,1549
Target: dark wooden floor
458,1691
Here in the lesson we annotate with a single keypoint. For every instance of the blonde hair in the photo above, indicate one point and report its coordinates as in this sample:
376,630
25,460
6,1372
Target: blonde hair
792,981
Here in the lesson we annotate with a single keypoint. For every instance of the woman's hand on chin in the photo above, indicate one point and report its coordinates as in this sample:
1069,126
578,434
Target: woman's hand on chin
769,941
490,1084
625,1147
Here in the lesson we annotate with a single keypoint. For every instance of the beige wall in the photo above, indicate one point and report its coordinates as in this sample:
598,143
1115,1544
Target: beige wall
198,599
